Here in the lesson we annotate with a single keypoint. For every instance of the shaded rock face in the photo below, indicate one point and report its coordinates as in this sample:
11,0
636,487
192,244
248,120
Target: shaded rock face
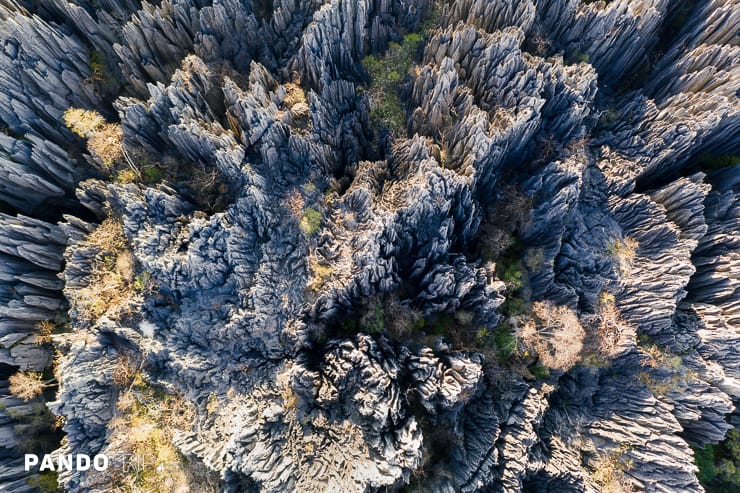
300,215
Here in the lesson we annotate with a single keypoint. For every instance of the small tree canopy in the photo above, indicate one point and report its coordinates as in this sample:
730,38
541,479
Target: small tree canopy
26,385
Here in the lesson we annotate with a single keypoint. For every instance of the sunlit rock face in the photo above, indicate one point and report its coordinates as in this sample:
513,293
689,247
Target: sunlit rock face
342,276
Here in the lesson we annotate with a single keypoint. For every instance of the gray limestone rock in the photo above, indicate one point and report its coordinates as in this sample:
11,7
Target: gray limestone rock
288,223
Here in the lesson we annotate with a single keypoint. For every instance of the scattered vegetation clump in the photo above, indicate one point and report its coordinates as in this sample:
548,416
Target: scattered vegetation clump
386,73
719,465
623,253
505,341
541,372
623,249
208,187
538,44
510,272
294,93
124,369
498,231
578,57
320,274
45,482
105,144
104,140
310,223
555,334
295,203
100,76
309,218
143,282
295,103
37,429
147,418
44,329
111,288
83,122
534,258
609,471
289,397
666,371
27,385
390,316
611,326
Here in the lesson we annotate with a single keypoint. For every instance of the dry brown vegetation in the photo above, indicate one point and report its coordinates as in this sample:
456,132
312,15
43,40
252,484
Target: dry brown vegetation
510,212
147,419
83,122
110,290
555,334
623,253
609,475
399,319
27,385
295,203
124,369
673,375
104,140
611,328
43,332
107,144
320,274
294,93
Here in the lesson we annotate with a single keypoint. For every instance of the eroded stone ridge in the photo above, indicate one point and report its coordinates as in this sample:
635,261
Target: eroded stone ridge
331,300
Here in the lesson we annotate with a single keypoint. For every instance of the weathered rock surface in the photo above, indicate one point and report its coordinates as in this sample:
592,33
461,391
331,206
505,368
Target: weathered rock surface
308,216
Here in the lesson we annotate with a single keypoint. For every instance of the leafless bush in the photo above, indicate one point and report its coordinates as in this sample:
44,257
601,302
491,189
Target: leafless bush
110,289
124,369
295,203
104,140
400,318
495,241
555,334
107,144
511,211
27,385
611,328
623,253
43,332
609,474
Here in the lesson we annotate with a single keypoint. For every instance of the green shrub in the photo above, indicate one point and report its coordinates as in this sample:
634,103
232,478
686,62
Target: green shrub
579,57
126,176
99,73
506,343
412,41
541,372
440,324
386,72
46,482
514,306
373,320
311,221
704,460
709,162
151,174
512,276
719,465
484,339
141,281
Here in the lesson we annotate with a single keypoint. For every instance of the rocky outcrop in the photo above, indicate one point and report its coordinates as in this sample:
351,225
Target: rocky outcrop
322,290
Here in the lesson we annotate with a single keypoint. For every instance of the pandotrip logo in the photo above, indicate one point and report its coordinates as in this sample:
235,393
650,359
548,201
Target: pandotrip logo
69,462
127,463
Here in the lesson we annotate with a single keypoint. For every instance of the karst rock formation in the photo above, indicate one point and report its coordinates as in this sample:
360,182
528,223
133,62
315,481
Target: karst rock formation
590,117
